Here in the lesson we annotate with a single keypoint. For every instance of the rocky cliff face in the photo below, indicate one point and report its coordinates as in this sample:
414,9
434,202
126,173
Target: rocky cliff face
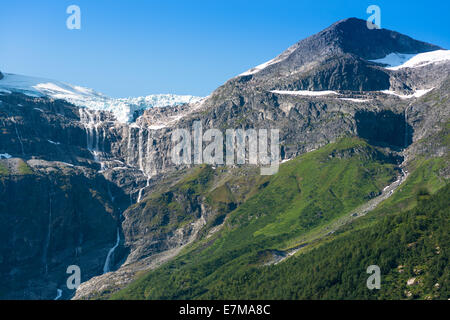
54,215
70,176
56,208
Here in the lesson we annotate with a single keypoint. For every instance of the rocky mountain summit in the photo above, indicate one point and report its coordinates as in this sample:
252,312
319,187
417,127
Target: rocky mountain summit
74,177
337,58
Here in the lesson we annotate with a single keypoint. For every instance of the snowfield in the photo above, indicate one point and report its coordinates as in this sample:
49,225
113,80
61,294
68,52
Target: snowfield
122,108
396,61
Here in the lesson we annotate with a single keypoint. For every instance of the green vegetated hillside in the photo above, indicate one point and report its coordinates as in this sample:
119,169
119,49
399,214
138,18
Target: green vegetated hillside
308,194
3,170
409,247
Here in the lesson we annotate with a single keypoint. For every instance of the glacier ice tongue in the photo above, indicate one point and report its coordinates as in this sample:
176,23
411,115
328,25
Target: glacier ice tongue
122,108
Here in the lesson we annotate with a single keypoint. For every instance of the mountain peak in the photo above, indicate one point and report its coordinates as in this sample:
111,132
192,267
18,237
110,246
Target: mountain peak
352,21
354,37
318,62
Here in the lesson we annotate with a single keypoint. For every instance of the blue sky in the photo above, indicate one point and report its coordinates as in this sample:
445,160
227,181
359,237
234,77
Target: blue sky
137,47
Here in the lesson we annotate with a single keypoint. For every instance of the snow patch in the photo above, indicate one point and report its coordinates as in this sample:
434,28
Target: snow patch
318,94
156,127
355,99
396,61
416,94
5,156
66,164
305,92
4,91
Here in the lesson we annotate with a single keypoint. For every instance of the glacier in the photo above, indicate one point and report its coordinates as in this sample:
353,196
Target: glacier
122,108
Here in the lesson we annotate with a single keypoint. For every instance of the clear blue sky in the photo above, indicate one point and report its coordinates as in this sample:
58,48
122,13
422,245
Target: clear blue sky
137,47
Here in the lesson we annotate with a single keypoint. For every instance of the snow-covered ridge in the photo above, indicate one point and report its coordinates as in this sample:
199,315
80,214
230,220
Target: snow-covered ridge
122,108
396,61
275,60
259,68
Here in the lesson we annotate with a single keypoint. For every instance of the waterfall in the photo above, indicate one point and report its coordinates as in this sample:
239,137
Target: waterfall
139,195
91,121
85,120
142,189
47,239
107,266
406,125
110,193
129,146
96,124
149,143
145,169
18,136
140,146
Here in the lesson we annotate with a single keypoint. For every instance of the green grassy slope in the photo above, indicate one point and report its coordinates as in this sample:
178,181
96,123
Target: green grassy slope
405,245
308,192
3,170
